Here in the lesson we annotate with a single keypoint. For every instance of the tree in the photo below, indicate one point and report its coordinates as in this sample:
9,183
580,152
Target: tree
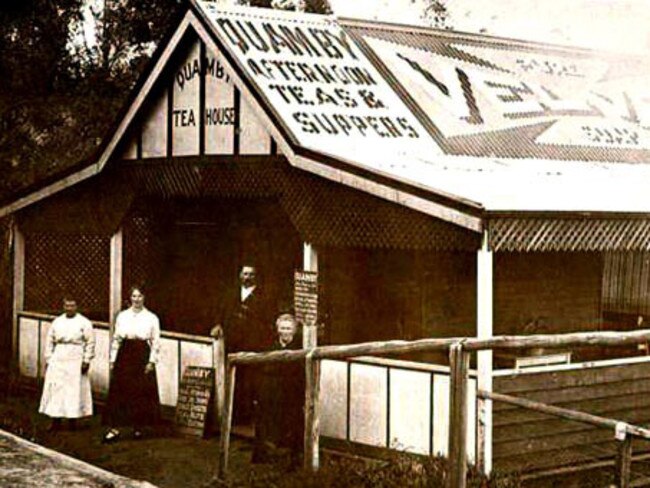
127,33
310,6
436,14
34,35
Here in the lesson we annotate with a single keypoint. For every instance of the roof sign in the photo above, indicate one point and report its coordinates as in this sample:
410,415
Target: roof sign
494,100
319,83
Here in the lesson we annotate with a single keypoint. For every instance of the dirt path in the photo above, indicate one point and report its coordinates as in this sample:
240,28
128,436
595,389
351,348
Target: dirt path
24,464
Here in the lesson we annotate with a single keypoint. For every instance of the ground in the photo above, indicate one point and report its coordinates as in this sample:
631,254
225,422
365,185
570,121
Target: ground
169,461
162,458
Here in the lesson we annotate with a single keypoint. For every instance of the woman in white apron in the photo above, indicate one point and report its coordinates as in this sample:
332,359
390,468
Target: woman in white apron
69,348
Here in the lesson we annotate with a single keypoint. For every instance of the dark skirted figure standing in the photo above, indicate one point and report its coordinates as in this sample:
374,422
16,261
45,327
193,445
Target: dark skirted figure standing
244,324
280,419
69,349
133,392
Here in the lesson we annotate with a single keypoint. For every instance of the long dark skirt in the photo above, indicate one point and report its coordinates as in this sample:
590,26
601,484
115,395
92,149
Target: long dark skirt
132,394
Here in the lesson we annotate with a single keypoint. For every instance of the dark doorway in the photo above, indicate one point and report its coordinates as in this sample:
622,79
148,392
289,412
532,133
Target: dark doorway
204,245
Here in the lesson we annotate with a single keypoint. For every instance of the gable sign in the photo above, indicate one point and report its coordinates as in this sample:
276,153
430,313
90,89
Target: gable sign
496,101
318,82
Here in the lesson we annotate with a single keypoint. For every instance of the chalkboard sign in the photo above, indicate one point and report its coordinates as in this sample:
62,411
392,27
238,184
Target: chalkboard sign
194,404
305,297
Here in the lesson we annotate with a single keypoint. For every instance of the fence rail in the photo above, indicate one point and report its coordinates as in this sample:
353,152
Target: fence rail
177,352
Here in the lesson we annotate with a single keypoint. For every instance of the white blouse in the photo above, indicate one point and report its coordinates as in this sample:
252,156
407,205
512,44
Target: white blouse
75,330
143,325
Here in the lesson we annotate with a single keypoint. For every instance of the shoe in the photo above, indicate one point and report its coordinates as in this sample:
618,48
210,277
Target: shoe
111,436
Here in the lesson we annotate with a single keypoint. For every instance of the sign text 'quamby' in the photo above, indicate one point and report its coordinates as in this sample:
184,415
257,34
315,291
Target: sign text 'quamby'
319,82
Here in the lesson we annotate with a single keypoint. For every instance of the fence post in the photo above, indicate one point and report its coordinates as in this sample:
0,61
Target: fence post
624,462
459,367
226,423
312,413
219,361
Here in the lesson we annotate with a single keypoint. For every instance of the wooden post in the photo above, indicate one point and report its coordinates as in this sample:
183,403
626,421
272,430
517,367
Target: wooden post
18,301
312,414
484,326
309,263
219,362
115,298
459,366
624,462
226,424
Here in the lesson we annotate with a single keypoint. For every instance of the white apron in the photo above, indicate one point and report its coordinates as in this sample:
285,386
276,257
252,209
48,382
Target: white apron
66,393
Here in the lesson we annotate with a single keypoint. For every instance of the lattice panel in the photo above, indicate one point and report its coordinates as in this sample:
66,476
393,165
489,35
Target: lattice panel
323,212
140,250
56,264
540,234
327,213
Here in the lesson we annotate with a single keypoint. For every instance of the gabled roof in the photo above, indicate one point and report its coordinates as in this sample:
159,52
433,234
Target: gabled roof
449,124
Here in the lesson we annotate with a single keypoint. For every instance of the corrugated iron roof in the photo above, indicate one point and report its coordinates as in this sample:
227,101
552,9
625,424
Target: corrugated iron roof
487,97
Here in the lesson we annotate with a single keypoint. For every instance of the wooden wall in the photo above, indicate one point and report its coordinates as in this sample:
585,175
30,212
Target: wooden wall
626,283
561,288
526,440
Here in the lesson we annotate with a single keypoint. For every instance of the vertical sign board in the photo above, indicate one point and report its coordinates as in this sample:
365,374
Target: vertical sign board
318,82
305,297
185,109
194,402
219,106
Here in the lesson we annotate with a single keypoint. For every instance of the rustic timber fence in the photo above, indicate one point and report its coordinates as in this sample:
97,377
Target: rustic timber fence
459,350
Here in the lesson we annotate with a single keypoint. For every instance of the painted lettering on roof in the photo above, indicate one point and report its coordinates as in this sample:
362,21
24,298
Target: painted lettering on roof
319,82
498,100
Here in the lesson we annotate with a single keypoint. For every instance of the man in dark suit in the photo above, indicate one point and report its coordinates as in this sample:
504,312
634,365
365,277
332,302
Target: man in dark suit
245,323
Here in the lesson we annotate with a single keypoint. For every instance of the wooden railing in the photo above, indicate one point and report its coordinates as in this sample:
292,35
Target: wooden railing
178,351
459,353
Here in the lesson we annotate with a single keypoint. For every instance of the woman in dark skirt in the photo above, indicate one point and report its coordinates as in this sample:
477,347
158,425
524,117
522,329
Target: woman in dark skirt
281,396
133,392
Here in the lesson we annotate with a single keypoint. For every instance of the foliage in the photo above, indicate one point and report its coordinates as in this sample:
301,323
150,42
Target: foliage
436,13
34,35
401,470
127,33
310,6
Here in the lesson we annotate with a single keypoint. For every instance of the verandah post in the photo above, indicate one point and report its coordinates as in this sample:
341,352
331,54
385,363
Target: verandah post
459,368
18,302
309,263
484,330
115,296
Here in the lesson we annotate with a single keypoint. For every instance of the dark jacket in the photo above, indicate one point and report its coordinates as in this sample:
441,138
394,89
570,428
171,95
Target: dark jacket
246,324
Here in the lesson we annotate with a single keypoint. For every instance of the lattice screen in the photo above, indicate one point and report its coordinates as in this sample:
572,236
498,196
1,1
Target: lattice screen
588,234
323,212
56,264
141,249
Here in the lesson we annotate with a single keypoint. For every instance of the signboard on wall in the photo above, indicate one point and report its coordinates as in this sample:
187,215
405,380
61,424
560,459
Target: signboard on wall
500,100
305,296
319,83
